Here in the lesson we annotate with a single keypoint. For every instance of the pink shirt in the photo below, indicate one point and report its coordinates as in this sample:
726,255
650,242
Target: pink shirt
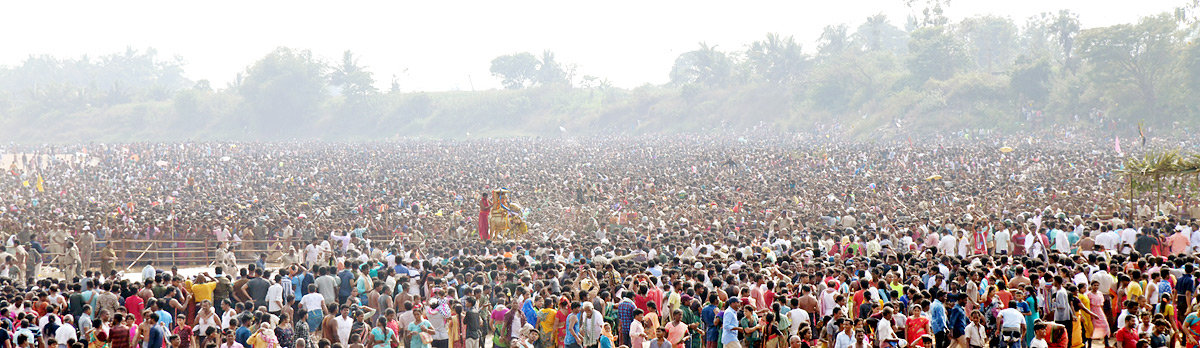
1178,243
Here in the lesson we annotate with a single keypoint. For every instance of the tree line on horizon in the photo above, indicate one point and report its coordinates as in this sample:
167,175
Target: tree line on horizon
984,71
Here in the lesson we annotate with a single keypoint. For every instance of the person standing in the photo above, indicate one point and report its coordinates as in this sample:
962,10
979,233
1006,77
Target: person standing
708,317
74,263
845,336
1099,318
345,279
677,331
274,296
729,324
937,320
33,260
383,336
1127,336
625,311
472,325
344,323
1063,313
87,245
485,207
1191,325
148,271
327,284
108,259
637,332
66,332
329,327
1010,326
957,321
314,304
439,314
156,336
118,335
420,330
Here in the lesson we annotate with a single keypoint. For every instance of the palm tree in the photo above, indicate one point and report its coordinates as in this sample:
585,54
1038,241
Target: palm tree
777,59
355,81
874,31
834,39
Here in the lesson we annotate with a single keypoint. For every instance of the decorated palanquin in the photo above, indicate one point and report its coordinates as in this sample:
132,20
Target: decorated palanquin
504,219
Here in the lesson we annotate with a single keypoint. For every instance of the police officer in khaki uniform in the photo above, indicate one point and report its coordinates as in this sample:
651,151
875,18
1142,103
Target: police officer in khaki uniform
87,245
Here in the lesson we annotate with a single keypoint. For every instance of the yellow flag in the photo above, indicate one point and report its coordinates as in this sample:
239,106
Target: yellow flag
25,183
39,184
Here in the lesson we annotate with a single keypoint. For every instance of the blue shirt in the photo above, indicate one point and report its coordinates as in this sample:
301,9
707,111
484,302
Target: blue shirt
156,338
958,320
302,285
1185,283
242,335
708,315
165,318
569,338
413,330
346,284
729,321
937,316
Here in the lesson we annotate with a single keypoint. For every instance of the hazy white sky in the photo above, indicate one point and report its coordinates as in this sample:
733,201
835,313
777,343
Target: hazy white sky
448,45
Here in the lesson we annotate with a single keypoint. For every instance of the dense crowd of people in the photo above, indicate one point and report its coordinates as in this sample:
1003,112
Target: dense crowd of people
753,240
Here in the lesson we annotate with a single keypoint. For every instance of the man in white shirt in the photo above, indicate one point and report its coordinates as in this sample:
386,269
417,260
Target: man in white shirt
344,324
1194,237
947,244
312,253
275,296
976,331
1109,240
964,244
886,335
845,336
828,297
797,317
221,233
1061,241
1128,237
65,332
1001,240
148,271
227,316
1012,326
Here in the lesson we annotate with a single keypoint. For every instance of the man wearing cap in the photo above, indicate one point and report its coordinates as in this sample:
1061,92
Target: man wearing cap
729,324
